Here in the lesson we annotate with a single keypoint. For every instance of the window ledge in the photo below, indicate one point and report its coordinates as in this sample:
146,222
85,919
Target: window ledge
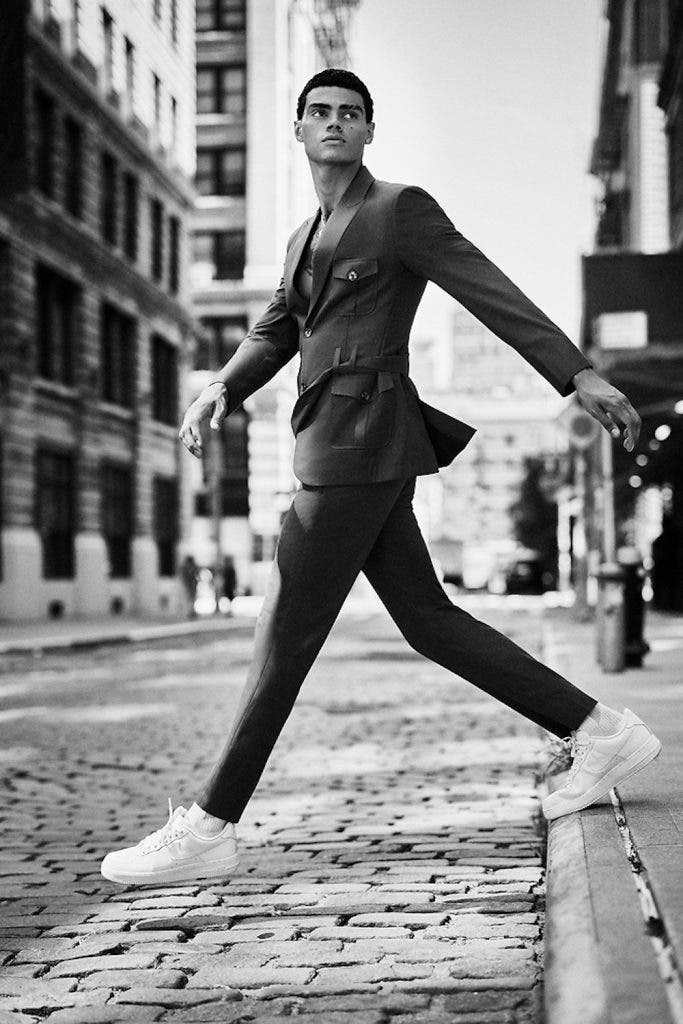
119,411
165,429
53,387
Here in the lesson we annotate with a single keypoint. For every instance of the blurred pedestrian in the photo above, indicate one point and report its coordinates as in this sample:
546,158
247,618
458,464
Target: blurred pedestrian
664,570
353,278
189,577
228,583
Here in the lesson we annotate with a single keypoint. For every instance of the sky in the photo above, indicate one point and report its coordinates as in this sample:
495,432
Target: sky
491,106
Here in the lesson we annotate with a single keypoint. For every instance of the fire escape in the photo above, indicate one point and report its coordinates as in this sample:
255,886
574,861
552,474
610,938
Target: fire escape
331,21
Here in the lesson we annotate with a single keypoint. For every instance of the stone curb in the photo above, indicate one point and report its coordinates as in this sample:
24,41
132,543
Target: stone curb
574,988
134,634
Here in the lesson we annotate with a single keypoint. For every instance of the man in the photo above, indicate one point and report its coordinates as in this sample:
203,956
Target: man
353,278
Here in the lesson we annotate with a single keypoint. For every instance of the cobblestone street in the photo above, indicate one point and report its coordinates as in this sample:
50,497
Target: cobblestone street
391,858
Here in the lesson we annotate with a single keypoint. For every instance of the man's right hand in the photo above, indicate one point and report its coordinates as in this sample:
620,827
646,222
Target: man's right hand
210,402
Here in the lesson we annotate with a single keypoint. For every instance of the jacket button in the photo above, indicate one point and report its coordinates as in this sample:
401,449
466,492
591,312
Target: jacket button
308,332
352,275
365,396
304,386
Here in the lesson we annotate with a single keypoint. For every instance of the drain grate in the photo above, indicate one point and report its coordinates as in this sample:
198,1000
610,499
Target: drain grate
654,923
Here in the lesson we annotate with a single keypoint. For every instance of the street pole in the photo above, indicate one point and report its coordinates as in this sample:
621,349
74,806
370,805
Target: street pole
216,507
580,549
608,527
610,636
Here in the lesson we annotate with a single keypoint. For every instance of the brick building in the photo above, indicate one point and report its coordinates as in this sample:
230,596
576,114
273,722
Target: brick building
97,154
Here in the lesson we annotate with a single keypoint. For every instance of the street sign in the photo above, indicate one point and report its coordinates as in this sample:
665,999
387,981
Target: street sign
581,427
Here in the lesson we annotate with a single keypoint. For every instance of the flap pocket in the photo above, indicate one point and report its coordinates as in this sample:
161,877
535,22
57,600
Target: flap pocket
354,269
355,385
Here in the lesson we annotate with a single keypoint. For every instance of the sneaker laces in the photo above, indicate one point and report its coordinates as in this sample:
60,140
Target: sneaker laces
579,750
173,829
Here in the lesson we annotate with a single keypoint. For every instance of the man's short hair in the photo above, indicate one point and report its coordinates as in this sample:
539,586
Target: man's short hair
343,80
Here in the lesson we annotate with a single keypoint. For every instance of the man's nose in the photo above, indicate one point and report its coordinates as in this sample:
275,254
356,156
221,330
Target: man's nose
333,123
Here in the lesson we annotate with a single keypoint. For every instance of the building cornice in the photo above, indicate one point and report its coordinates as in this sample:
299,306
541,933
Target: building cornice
62,71
75,252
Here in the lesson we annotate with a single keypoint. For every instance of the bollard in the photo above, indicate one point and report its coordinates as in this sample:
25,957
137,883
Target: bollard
634,606
610,618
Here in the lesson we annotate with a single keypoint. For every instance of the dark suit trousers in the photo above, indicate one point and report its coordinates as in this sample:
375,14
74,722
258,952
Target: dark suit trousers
330,534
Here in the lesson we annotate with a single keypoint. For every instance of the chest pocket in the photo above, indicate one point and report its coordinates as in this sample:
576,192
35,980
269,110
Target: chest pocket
355,285
362,414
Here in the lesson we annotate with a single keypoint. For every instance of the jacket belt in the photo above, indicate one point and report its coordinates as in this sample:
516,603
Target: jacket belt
357,364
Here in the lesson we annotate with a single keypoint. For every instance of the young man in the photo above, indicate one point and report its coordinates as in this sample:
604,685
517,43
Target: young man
353,278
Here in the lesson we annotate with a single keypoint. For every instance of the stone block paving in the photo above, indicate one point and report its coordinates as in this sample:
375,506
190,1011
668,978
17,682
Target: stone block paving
391,857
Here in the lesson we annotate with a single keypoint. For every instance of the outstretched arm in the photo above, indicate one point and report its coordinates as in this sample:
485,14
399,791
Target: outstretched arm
267,347
430,246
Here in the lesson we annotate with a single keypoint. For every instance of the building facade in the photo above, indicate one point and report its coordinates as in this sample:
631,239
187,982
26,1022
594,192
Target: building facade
633,301
254,188
95,329
465,510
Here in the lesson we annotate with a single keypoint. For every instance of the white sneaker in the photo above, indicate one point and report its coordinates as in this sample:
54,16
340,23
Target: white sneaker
174,853
600,763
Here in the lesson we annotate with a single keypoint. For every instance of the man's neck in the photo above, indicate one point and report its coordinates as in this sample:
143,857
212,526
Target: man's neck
331,182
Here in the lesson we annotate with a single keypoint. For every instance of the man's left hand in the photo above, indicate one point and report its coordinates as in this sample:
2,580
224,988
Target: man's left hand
608,406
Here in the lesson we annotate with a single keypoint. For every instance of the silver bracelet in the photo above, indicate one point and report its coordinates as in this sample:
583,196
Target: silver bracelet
224,386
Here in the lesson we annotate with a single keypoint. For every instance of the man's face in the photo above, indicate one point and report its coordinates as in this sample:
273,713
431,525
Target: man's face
333,128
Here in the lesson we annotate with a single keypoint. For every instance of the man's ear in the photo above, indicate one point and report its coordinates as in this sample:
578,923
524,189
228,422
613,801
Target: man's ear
370,133
298,131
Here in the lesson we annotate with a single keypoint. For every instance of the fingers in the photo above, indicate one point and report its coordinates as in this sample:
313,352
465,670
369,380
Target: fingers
191,438
620,413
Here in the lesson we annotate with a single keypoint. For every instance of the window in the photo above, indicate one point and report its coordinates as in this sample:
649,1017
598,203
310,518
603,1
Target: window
130,216
220,14
235,482
164,380
54,512
649,35
116,517
130,74
56,315
166,523
174,22
222,254
73,167
221,90
108,198
44,151
157,238
219,342
117,356
221,172
174,255
157,103
108,32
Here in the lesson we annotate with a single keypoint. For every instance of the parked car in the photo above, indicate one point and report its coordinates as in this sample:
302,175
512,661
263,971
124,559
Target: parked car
524,575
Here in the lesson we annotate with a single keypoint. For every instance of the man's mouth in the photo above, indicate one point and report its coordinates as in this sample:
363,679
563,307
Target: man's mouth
332,138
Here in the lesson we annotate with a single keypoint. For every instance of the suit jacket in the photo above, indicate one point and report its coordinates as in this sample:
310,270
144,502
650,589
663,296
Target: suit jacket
357,418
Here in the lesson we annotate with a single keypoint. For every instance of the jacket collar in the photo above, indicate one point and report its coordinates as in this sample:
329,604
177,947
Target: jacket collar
339,220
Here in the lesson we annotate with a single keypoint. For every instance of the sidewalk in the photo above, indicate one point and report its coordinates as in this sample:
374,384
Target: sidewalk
74,633
615,880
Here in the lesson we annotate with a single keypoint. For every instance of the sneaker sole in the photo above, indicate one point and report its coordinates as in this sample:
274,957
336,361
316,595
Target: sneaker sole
641,757
216,869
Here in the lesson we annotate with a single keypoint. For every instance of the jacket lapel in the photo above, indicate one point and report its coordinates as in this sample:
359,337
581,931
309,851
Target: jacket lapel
293,258
339,221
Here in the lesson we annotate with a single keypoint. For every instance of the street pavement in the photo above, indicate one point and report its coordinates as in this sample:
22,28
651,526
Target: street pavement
392,857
